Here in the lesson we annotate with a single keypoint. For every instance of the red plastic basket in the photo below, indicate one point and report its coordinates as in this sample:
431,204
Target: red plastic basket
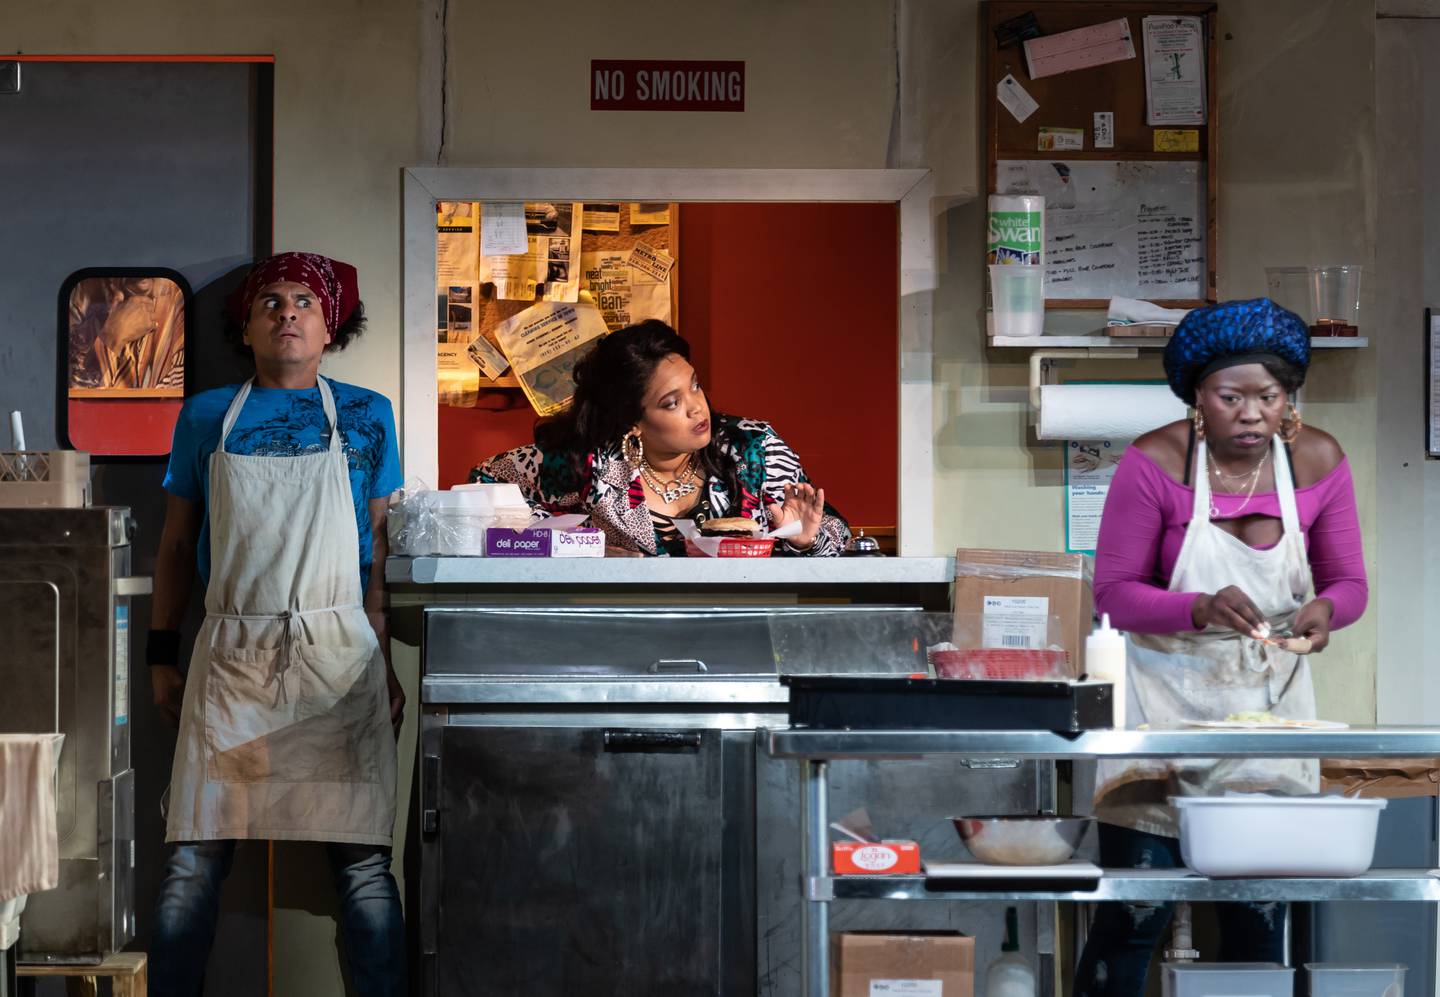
734,547
1001,663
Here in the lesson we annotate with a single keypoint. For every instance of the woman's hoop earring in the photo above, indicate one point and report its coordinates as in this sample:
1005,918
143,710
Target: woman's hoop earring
1290,426
1199,423
632,448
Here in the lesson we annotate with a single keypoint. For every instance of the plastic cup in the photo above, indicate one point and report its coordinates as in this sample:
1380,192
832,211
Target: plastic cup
1017,296
1327,298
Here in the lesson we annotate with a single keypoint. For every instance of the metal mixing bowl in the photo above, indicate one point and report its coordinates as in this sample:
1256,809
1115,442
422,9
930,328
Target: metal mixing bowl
1040,840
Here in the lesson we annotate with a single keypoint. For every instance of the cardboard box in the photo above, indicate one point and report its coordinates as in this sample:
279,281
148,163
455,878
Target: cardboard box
541,541
1009,587
916,963
875,858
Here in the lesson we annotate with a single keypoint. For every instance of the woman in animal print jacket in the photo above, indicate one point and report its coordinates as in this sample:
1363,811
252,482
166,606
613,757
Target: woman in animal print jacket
639,448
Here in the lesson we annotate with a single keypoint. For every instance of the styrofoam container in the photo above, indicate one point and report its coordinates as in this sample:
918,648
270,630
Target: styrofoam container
1258,835
1227,979
480,498
1357,979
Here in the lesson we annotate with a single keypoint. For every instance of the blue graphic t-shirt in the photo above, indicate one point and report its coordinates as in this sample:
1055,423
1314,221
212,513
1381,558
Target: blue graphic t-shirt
280,422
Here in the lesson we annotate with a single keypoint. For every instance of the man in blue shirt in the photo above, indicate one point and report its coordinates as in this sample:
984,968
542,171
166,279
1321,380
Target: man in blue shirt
277,490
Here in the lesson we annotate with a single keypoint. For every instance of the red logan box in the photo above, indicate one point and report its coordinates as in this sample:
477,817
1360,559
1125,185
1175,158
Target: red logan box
875,858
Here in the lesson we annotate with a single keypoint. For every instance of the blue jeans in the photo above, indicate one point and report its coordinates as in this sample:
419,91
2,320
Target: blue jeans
189,906
1124,936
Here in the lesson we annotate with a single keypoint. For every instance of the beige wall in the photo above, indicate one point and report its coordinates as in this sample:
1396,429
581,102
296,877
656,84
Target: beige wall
819,84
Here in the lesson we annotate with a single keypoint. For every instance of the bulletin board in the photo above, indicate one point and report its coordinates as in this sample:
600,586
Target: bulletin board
489,311
1134,219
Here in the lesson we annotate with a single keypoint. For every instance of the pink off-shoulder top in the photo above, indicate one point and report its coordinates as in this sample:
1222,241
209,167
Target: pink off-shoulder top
1143,526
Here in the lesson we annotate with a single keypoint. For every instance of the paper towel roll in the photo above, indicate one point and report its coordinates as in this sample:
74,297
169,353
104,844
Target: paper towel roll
1016,229
1105,411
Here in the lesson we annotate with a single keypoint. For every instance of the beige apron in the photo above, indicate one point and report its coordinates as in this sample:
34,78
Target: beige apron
285,730
1209,675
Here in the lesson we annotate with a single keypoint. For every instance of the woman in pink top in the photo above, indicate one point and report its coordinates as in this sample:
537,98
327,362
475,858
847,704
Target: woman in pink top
1229,550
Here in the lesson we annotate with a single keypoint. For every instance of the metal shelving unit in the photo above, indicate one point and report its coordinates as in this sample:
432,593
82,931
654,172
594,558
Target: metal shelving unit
814,749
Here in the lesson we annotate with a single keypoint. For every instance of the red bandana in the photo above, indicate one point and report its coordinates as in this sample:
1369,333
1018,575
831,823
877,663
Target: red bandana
336,284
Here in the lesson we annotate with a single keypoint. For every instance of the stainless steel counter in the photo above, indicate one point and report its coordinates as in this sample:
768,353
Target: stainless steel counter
1353,742
670,571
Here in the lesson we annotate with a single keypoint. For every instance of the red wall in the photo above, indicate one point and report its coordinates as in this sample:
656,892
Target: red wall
792,315
141,427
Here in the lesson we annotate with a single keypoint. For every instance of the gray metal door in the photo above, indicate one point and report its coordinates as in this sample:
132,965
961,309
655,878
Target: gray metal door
589,860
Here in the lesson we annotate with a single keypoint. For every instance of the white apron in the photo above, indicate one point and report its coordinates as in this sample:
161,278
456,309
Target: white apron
285,729
1209,675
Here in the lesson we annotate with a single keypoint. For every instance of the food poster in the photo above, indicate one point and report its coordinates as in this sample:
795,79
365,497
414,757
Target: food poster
544,343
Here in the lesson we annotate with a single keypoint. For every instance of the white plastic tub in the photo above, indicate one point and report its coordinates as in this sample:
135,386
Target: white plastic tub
1256,835
1227,979
1372,979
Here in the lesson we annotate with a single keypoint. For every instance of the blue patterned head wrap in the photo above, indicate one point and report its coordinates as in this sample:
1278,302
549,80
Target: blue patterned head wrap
1233,333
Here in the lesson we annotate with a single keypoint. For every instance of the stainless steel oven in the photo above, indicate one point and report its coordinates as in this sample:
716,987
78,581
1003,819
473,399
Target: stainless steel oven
64,610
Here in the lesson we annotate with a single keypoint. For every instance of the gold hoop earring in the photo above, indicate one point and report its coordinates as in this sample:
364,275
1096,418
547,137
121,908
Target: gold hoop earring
1199,423
632,448
1291,426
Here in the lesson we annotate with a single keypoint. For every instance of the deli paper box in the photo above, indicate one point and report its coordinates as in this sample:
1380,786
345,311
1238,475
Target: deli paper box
1015,591
544,541
875,858
913,964
581,541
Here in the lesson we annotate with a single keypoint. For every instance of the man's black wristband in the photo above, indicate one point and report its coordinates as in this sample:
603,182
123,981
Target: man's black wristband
162,647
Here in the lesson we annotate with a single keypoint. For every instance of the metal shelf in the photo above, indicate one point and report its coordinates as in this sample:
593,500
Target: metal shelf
1353,742
1149,885
1145,343
812,750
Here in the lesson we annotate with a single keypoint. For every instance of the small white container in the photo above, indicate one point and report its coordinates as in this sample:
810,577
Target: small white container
1369,979
1227,979
1105,662
1017,296
1256,835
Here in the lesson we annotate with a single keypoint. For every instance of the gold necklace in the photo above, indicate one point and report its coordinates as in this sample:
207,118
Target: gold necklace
675,489
1253,475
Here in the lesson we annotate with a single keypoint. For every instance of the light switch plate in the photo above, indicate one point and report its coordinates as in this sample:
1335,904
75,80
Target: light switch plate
9,77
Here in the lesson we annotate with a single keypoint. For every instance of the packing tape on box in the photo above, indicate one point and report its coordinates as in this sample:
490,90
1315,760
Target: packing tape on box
1105,411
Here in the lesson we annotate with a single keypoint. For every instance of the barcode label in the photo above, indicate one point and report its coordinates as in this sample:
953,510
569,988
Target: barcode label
1016,621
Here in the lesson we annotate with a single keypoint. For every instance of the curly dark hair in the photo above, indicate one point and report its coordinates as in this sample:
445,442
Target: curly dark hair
610,385
348,332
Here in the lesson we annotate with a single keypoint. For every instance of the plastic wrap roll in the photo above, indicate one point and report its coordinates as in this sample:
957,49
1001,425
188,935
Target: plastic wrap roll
1105,411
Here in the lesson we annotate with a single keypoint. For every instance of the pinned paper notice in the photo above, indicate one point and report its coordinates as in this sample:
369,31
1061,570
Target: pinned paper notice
1174,70
488,358
654,263
602,217
1177,140
1013,98
502,229
1061,139
1079,49
1104,129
